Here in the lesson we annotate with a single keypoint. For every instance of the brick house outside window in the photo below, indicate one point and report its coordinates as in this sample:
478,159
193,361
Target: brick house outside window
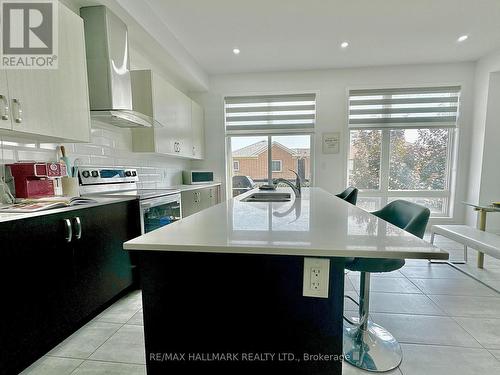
252,161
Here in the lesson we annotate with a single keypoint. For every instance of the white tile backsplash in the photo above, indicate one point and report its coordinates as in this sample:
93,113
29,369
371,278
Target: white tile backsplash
110,146
86,149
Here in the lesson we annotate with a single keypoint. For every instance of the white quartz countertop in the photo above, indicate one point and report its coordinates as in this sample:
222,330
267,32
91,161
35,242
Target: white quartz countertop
100,201
182,188
317,224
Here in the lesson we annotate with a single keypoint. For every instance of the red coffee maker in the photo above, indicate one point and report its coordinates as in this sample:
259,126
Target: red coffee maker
35,180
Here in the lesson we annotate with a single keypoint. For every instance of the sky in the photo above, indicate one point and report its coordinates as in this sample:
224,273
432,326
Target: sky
291,141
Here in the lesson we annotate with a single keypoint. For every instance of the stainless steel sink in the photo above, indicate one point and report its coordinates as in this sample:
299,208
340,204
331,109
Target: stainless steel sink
268,197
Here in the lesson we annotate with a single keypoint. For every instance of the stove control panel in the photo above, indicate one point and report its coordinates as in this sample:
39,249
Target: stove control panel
104,175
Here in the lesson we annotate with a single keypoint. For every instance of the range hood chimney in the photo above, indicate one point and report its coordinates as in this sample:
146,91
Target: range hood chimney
108,69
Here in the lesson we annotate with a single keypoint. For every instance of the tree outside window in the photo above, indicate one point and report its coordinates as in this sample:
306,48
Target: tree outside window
415,167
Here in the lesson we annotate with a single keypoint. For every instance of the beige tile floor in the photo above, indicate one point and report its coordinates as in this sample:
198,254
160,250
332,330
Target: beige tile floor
447,323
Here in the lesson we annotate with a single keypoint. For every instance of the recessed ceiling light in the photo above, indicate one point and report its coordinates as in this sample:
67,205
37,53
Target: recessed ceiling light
236,51
344,44
462,38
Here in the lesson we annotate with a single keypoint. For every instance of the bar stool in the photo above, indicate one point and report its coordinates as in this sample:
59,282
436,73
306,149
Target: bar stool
349,195
366,344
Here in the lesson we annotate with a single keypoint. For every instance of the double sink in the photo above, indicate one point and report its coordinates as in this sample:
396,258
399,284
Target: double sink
268,197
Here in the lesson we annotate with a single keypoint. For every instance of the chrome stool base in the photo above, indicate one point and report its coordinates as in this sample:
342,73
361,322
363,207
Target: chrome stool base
373,349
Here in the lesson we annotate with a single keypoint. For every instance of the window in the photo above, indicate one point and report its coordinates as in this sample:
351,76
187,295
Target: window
254,156
268,136
401,145
276,165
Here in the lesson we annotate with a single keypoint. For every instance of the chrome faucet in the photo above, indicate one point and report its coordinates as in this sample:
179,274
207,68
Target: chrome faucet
296,188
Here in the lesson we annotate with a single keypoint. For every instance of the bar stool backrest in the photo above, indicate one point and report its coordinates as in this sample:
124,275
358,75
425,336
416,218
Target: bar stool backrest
349,195
406,215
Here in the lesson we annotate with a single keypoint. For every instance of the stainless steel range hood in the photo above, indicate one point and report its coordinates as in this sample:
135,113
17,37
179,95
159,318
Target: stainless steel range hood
108,69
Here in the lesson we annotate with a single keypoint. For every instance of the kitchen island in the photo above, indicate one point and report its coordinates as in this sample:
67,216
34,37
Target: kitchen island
224,289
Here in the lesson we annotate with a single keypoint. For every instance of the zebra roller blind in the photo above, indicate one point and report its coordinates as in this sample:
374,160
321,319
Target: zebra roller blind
270,113
418,107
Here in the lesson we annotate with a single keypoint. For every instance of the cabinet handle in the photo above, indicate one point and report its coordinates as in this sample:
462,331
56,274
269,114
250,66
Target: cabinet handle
5,114
69,230
78,224
16,106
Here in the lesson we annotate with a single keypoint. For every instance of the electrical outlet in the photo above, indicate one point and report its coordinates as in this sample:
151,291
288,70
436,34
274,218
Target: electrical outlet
316,277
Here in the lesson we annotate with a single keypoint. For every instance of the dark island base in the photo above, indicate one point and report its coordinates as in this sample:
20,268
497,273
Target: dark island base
238,314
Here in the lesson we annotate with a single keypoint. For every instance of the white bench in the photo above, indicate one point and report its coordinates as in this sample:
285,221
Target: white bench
483,242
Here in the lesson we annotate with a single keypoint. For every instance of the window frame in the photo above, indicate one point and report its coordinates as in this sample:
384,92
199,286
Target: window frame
268,132
229,170
236,162
385,194
280,164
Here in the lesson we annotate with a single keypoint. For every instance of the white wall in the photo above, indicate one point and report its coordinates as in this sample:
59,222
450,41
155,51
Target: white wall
484,177
331,86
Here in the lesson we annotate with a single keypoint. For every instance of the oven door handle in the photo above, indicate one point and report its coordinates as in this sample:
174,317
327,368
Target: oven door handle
154,202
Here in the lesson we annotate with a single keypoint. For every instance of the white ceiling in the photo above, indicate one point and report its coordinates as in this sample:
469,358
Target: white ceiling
305,34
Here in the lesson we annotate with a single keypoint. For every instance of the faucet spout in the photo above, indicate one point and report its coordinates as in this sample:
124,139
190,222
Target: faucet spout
296,188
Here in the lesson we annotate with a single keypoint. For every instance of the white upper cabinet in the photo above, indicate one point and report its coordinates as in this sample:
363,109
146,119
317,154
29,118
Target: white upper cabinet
5,118
197,130
52,104
173,114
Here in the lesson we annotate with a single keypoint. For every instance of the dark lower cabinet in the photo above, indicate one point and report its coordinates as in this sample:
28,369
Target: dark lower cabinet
59,270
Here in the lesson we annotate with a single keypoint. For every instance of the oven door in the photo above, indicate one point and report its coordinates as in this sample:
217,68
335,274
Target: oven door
161,211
